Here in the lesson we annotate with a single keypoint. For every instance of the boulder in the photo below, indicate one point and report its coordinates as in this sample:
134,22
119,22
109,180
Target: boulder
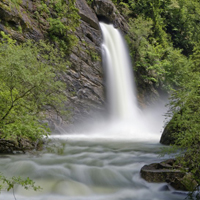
161,172
87,14
168,137
168,171
19,145
187,183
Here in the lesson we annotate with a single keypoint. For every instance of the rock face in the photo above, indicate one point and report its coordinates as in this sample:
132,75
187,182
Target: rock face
107,11
84,77
13,19
167,137
87,14
167,171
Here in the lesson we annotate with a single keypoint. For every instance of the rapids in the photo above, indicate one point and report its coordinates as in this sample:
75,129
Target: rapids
87,170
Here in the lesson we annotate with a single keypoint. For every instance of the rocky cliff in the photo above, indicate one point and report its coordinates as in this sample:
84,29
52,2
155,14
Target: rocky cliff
85,77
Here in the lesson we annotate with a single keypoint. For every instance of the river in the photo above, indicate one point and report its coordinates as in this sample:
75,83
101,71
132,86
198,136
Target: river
96,169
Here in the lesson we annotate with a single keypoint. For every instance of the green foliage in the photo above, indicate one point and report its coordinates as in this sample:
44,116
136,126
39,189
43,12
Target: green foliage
30,86
175,20
43,8
117,2
9,183
182,23
89,2
164,46
57,27
94,56
16,1
91,51
185,109
10,4
151,60
63,20
124,8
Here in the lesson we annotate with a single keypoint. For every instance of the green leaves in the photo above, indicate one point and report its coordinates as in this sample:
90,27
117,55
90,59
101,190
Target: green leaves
29,75
9,183
185,109
62,23
153,62
57,27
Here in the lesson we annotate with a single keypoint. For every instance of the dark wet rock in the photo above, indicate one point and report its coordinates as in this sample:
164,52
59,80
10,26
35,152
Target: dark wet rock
164,188
167,171
22,145
167,137
160,172
187,183
84,78
106,11
87,14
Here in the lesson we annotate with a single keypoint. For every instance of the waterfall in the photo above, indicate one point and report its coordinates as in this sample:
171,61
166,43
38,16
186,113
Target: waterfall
121,94
127,121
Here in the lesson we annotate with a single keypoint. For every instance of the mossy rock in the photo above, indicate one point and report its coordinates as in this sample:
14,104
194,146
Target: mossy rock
168,171
161,172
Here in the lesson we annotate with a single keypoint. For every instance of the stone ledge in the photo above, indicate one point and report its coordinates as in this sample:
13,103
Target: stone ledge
167,171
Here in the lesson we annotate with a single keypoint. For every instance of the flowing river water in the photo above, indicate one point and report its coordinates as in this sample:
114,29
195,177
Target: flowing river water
95,169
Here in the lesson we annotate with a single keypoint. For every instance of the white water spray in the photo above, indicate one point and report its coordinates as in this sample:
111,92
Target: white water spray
121,93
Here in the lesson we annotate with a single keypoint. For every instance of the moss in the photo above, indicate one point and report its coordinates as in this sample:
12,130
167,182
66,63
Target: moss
57,18
5,7
20,29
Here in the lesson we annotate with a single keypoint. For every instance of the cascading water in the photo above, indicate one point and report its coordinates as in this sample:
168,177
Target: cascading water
121,93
